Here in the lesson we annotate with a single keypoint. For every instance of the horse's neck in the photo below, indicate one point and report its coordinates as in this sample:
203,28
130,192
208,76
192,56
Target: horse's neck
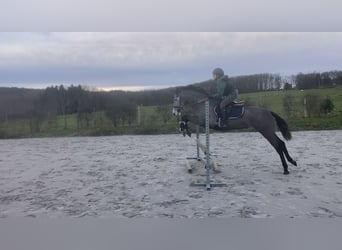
212,103
195,92
201,103
199,97
199,113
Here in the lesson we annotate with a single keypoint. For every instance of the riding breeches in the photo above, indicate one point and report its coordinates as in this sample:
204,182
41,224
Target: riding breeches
227,100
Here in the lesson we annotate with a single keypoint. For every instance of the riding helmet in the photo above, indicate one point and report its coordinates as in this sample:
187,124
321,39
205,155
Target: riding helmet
218,71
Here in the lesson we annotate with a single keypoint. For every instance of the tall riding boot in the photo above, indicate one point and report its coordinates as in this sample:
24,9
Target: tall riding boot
225,115
219,115
222,119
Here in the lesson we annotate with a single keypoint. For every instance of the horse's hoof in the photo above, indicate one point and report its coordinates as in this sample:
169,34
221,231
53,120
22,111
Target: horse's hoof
286,172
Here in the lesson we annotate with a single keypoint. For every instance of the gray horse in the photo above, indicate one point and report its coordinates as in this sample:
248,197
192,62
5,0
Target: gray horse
189,105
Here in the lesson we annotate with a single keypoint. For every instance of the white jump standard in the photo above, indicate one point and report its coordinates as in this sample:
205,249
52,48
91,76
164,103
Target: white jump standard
209,164
199,158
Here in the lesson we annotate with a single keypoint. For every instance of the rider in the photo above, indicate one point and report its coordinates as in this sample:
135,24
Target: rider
225,94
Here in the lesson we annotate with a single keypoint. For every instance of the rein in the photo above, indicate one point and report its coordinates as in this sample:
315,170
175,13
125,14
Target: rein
202,100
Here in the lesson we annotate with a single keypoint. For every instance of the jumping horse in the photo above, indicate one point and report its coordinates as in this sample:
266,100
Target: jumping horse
189,106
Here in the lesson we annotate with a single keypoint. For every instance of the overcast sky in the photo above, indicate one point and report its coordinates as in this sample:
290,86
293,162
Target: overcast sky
156,44
159,59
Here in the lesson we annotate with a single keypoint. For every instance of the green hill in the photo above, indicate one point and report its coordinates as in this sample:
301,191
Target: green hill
294,114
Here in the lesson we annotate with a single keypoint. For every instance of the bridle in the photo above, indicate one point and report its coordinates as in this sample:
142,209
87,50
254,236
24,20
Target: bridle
179,107
177,110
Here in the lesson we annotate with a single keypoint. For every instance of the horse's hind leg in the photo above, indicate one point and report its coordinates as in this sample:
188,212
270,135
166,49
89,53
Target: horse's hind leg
278,145
283,161
288,157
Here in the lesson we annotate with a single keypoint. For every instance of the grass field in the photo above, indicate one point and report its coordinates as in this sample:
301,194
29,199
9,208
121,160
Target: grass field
273,100
150,121
96,124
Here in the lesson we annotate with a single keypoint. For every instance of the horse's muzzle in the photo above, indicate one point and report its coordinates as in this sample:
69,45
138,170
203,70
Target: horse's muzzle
184,128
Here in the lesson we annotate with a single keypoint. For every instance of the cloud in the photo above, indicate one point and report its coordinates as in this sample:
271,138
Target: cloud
170,15
157,58
119,50
132,50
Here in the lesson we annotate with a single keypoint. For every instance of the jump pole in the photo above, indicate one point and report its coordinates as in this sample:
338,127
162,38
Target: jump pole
208,183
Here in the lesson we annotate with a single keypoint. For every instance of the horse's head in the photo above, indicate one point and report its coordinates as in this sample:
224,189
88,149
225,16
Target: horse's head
184,102
177,111
186,97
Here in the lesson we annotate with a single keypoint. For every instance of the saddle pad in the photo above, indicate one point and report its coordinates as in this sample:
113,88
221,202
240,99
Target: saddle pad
236,112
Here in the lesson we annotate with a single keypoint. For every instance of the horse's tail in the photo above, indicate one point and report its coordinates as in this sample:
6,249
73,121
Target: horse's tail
282,125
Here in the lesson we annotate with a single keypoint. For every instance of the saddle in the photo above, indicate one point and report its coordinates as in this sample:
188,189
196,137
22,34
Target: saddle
234,110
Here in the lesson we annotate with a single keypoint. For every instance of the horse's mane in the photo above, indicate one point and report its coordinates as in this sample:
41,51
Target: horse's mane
193,88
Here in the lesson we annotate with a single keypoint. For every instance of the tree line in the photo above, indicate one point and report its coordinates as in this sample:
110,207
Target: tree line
264,82
121,106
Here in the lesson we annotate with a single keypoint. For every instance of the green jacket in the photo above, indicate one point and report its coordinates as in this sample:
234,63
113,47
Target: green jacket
223,88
